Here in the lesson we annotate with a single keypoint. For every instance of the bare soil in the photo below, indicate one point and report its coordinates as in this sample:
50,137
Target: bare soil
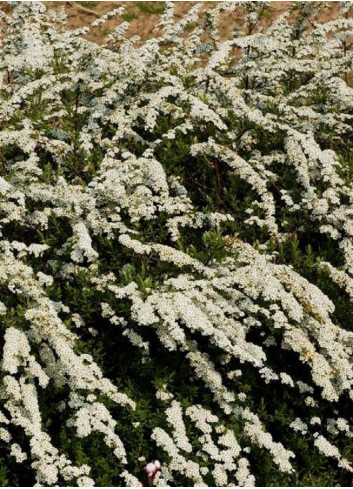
144,15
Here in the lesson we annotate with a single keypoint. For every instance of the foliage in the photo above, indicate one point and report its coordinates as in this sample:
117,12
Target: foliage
176,268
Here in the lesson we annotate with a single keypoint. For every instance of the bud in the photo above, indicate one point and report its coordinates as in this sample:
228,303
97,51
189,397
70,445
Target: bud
151,469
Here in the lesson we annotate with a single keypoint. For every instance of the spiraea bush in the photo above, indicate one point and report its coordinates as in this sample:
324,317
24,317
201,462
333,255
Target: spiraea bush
176,268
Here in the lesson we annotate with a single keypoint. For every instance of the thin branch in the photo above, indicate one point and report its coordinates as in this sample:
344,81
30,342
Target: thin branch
84,9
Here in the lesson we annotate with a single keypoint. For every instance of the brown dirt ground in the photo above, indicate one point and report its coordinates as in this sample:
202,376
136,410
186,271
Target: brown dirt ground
144,15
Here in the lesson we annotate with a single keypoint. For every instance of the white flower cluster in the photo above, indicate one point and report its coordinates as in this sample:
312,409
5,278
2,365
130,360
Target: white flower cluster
98,146
221,459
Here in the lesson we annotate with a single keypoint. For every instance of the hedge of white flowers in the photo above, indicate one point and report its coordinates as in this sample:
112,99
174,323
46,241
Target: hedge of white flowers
176,268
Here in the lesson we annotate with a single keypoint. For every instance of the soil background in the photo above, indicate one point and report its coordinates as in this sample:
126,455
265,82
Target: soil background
143,15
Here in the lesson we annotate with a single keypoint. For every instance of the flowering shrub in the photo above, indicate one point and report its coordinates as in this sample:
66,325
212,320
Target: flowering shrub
176,246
